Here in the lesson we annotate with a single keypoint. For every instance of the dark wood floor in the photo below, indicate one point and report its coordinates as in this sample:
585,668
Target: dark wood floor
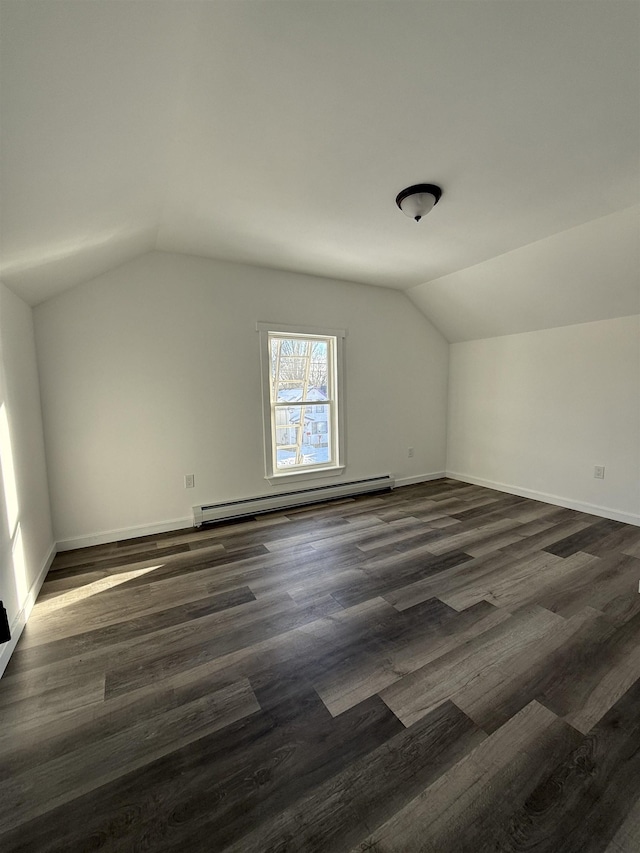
441,668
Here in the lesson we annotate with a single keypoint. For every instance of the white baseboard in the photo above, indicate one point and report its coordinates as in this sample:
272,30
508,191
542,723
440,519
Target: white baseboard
556,500
107,536
420,478
17,626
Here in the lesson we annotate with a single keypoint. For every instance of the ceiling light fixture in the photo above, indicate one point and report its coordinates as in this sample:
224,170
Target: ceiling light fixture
417,201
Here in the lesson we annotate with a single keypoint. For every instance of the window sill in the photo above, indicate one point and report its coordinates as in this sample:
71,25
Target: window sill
316,474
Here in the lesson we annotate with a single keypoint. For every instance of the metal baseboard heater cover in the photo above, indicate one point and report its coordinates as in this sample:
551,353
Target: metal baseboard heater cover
300,497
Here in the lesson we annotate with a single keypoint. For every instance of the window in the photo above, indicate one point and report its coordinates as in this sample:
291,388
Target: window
301,400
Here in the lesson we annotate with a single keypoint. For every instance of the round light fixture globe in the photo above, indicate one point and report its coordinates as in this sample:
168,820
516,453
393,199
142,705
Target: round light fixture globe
418,200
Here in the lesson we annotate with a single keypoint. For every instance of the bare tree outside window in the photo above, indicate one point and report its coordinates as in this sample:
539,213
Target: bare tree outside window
301,376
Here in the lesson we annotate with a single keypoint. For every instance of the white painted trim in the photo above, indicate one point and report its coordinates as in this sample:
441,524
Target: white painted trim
17,626
420,478
308,474
556,500
125,533
312,331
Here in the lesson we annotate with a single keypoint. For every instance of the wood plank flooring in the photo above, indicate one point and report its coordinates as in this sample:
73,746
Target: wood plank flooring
440,668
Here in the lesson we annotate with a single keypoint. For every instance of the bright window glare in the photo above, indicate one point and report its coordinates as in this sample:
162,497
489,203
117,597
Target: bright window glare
8,472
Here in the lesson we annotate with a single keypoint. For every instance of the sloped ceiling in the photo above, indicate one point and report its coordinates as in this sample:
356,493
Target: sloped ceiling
590,272
279,133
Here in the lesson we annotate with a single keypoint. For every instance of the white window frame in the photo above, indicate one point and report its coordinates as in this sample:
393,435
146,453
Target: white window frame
268,417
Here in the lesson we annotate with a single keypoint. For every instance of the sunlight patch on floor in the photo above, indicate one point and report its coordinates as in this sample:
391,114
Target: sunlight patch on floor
65,599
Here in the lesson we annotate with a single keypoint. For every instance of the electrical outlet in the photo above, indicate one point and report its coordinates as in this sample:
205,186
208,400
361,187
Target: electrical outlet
598,472
410,453
189,481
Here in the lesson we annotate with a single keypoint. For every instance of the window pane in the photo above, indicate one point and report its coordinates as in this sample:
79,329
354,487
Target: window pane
299,369
290,391
319,368
302,436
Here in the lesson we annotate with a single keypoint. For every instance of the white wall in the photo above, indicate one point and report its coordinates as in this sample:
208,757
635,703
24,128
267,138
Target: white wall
152,371
26,538
580,275
535,412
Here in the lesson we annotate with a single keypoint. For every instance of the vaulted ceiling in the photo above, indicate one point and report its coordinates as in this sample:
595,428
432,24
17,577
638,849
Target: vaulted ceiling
279,133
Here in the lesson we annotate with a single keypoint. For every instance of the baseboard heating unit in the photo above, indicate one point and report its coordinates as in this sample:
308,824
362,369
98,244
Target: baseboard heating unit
285,500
